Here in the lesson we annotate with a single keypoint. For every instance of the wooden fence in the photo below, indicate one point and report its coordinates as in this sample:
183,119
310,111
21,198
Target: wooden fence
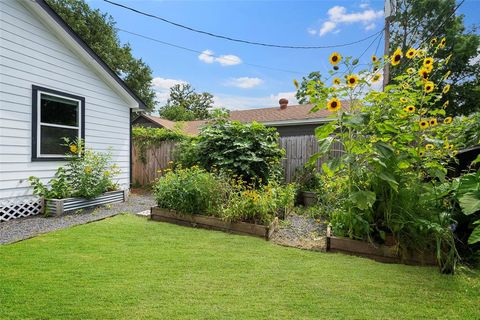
298,149
156,160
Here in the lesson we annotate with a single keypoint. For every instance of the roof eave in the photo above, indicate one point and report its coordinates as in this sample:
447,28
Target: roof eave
291,122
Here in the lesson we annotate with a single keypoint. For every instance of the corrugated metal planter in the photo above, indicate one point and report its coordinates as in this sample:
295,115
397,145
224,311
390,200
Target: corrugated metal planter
214,223
56,207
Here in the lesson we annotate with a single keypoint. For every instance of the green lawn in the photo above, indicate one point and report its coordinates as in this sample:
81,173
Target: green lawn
130,268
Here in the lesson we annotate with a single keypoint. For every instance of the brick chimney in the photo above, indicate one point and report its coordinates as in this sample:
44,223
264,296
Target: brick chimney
283,103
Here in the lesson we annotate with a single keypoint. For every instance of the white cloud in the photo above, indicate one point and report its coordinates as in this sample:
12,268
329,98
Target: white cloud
327,27
162,88
364,5
338,15
244,82
312,31
207,56
233,102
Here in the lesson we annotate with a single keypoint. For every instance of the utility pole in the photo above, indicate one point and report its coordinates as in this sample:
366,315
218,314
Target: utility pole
388,8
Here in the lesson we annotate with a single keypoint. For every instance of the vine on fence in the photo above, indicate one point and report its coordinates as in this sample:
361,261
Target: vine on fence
143,138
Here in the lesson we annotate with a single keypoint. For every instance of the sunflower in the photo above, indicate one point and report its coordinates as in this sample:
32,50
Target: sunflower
336,81
295,83
433,41
448,120
429,85
405,86
409,109
433,122
403,99
352,80
410,53
335,58
396,57
421,53
427,61
423,124
450,147
410,70
442,43
447,75
421,153
376,77
374,58
446,89
454,152
445,104
423,73
73,148
333,105
429,68
422,111
429,146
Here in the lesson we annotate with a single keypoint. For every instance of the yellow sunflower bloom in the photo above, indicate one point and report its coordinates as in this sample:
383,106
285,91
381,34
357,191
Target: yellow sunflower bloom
433,41
333,105
421,153
295,83
376,77
454,152
411,53
450,147
429,86
442,43
423,111
336,81
445,104
423,73
429,68
396,57
88,170
433,122
405,86
409,109
446,89
448,120
73,148
421,53
423,124
403,100
410,70
352,80
429,146
427,61
374,58
335,58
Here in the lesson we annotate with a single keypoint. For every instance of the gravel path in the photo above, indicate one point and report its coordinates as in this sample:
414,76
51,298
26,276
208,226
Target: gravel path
24,228
301,232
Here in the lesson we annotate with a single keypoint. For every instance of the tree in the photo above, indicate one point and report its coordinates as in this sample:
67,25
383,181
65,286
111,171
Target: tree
184,104
417,22
98,31
302,90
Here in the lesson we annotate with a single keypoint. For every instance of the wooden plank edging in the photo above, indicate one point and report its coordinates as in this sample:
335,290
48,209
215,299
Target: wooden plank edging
211,222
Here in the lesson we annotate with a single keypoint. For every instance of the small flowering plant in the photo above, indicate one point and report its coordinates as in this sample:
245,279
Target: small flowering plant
87,174
393,141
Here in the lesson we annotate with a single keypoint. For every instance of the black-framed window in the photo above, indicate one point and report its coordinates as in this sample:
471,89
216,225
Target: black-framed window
55,115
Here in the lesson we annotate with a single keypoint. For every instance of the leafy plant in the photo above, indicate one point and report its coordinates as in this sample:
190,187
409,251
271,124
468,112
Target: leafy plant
191,190
468,195
247,150
59,187
143,138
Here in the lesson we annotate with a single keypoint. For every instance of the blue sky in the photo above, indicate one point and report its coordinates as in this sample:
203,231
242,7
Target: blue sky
234,83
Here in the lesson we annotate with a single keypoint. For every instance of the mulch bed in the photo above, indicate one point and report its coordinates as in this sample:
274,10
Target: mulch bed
301,232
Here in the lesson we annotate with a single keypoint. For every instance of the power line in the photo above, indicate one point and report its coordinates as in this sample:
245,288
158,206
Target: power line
235,39
206,53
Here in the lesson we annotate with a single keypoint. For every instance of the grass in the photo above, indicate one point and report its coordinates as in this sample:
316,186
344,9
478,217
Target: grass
127,267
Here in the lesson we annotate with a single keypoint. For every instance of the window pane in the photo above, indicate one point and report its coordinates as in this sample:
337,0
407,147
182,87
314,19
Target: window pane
57,110
51,139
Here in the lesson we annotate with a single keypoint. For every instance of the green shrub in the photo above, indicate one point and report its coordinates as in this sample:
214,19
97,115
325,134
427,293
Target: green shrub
247,150
191,190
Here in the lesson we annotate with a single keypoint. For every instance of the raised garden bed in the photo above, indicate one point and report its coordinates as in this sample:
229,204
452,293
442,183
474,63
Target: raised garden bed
55,207
309,198
377,252
214,223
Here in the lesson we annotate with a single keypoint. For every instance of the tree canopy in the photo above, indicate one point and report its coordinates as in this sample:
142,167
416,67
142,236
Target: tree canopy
416,23
97,29
185,104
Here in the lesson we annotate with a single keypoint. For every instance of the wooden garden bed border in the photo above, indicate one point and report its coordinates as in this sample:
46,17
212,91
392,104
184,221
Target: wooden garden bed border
377,252
214,223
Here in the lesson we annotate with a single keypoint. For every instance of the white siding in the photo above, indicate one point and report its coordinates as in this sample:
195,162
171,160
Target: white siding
30,54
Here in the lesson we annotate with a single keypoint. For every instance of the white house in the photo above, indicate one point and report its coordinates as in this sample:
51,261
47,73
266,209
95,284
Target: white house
44,60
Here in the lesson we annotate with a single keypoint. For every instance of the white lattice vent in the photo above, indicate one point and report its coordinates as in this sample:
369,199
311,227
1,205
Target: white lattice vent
18,208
